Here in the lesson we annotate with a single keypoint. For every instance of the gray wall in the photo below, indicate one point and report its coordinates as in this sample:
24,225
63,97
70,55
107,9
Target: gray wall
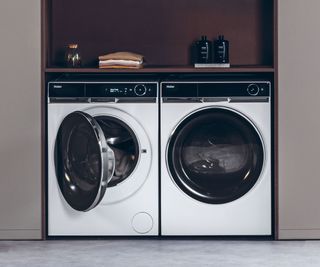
20,134
299,121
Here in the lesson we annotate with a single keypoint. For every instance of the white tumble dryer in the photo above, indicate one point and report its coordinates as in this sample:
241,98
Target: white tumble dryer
102,157
216,151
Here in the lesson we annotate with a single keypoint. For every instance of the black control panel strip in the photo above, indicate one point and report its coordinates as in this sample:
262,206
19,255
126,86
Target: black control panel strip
215,89
65,90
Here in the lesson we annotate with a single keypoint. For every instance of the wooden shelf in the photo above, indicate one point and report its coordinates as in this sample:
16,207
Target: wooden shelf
167,69
163,31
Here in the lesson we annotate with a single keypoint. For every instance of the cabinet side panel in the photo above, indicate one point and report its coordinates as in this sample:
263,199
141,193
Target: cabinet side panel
299,124
20,135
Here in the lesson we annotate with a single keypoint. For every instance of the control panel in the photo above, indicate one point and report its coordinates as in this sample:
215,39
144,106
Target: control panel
103,90
216,89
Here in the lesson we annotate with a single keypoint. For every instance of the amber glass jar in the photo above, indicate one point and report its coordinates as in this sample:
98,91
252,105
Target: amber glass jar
73,57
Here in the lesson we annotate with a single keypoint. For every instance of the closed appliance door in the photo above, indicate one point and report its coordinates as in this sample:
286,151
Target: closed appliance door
84,161
215,155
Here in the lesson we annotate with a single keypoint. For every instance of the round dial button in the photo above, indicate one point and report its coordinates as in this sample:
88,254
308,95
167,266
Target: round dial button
253,89
140,90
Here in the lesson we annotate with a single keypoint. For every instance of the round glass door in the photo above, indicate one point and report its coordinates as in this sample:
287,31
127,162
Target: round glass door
84,161
215,155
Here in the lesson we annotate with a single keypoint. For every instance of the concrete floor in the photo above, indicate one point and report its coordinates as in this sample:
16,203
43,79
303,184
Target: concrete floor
151,253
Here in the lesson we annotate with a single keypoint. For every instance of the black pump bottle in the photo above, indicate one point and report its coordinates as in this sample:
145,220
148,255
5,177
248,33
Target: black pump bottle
221,50
204,50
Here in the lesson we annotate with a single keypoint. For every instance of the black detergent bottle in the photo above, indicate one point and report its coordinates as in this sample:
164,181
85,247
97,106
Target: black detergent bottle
204,50
221,50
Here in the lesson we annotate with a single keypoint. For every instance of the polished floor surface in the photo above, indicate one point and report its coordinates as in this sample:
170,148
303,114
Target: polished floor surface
151,253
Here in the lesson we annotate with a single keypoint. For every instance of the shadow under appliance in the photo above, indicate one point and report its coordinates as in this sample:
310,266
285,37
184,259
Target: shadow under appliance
102,158
216,158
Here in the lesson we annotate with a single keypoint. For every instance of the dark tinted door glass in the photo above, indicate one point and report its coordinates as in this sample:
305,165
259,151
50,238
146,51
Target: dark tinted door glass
79,162
215,156
122,140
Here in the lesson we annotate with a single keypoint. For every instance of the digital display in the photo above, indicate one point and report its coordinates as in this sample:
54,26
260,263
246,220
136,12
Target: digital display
118,91
114,90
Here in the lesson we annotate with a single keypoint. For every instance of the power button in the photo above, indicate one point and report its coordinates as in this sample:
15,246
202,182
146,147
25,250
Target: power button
253,89
140,90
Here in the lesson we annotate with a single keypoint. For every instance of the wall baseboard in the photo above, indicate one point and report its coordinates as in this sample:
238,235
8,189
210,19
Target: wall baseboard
21,234
304,234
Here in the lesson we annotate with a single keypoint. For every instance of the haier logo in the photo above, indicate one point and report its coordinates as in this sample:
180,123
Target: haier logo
170,86
57,86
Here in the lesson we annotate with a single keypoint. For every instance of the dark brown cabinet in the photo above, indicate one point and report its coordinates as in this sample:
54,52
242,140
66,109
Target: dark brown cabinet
163,31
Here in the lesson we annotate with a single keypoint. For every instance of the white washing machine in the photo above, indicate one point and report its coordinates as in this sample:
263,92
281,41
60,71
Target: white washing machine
102,158
216,151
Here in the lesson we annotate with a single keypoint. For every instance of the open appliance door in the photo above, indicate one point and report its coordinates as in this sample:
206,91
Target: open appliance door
84,161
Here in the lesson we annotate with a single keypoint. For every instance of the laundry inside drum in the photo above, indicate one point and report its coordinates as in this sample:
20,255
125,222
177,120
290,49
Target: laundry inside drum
122,140
216,156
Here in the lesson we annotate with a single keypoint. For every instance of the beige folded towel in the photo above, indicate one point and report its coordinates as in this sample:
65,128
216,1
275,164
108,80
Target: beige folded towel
119,67
120,62
122,56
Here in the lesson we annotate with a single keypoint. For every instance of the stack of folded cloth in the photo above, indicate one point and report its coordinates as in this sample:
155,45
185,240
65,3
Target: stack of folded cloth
121,60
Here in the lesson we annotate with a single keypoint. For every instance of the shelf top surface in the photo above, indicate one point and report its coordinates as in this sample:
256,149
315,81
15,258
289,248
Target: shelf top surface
165,69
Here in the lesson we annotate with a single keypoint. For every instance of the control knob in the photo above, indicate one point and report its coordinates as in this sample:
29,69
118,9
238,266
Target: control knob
140,90
253,89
